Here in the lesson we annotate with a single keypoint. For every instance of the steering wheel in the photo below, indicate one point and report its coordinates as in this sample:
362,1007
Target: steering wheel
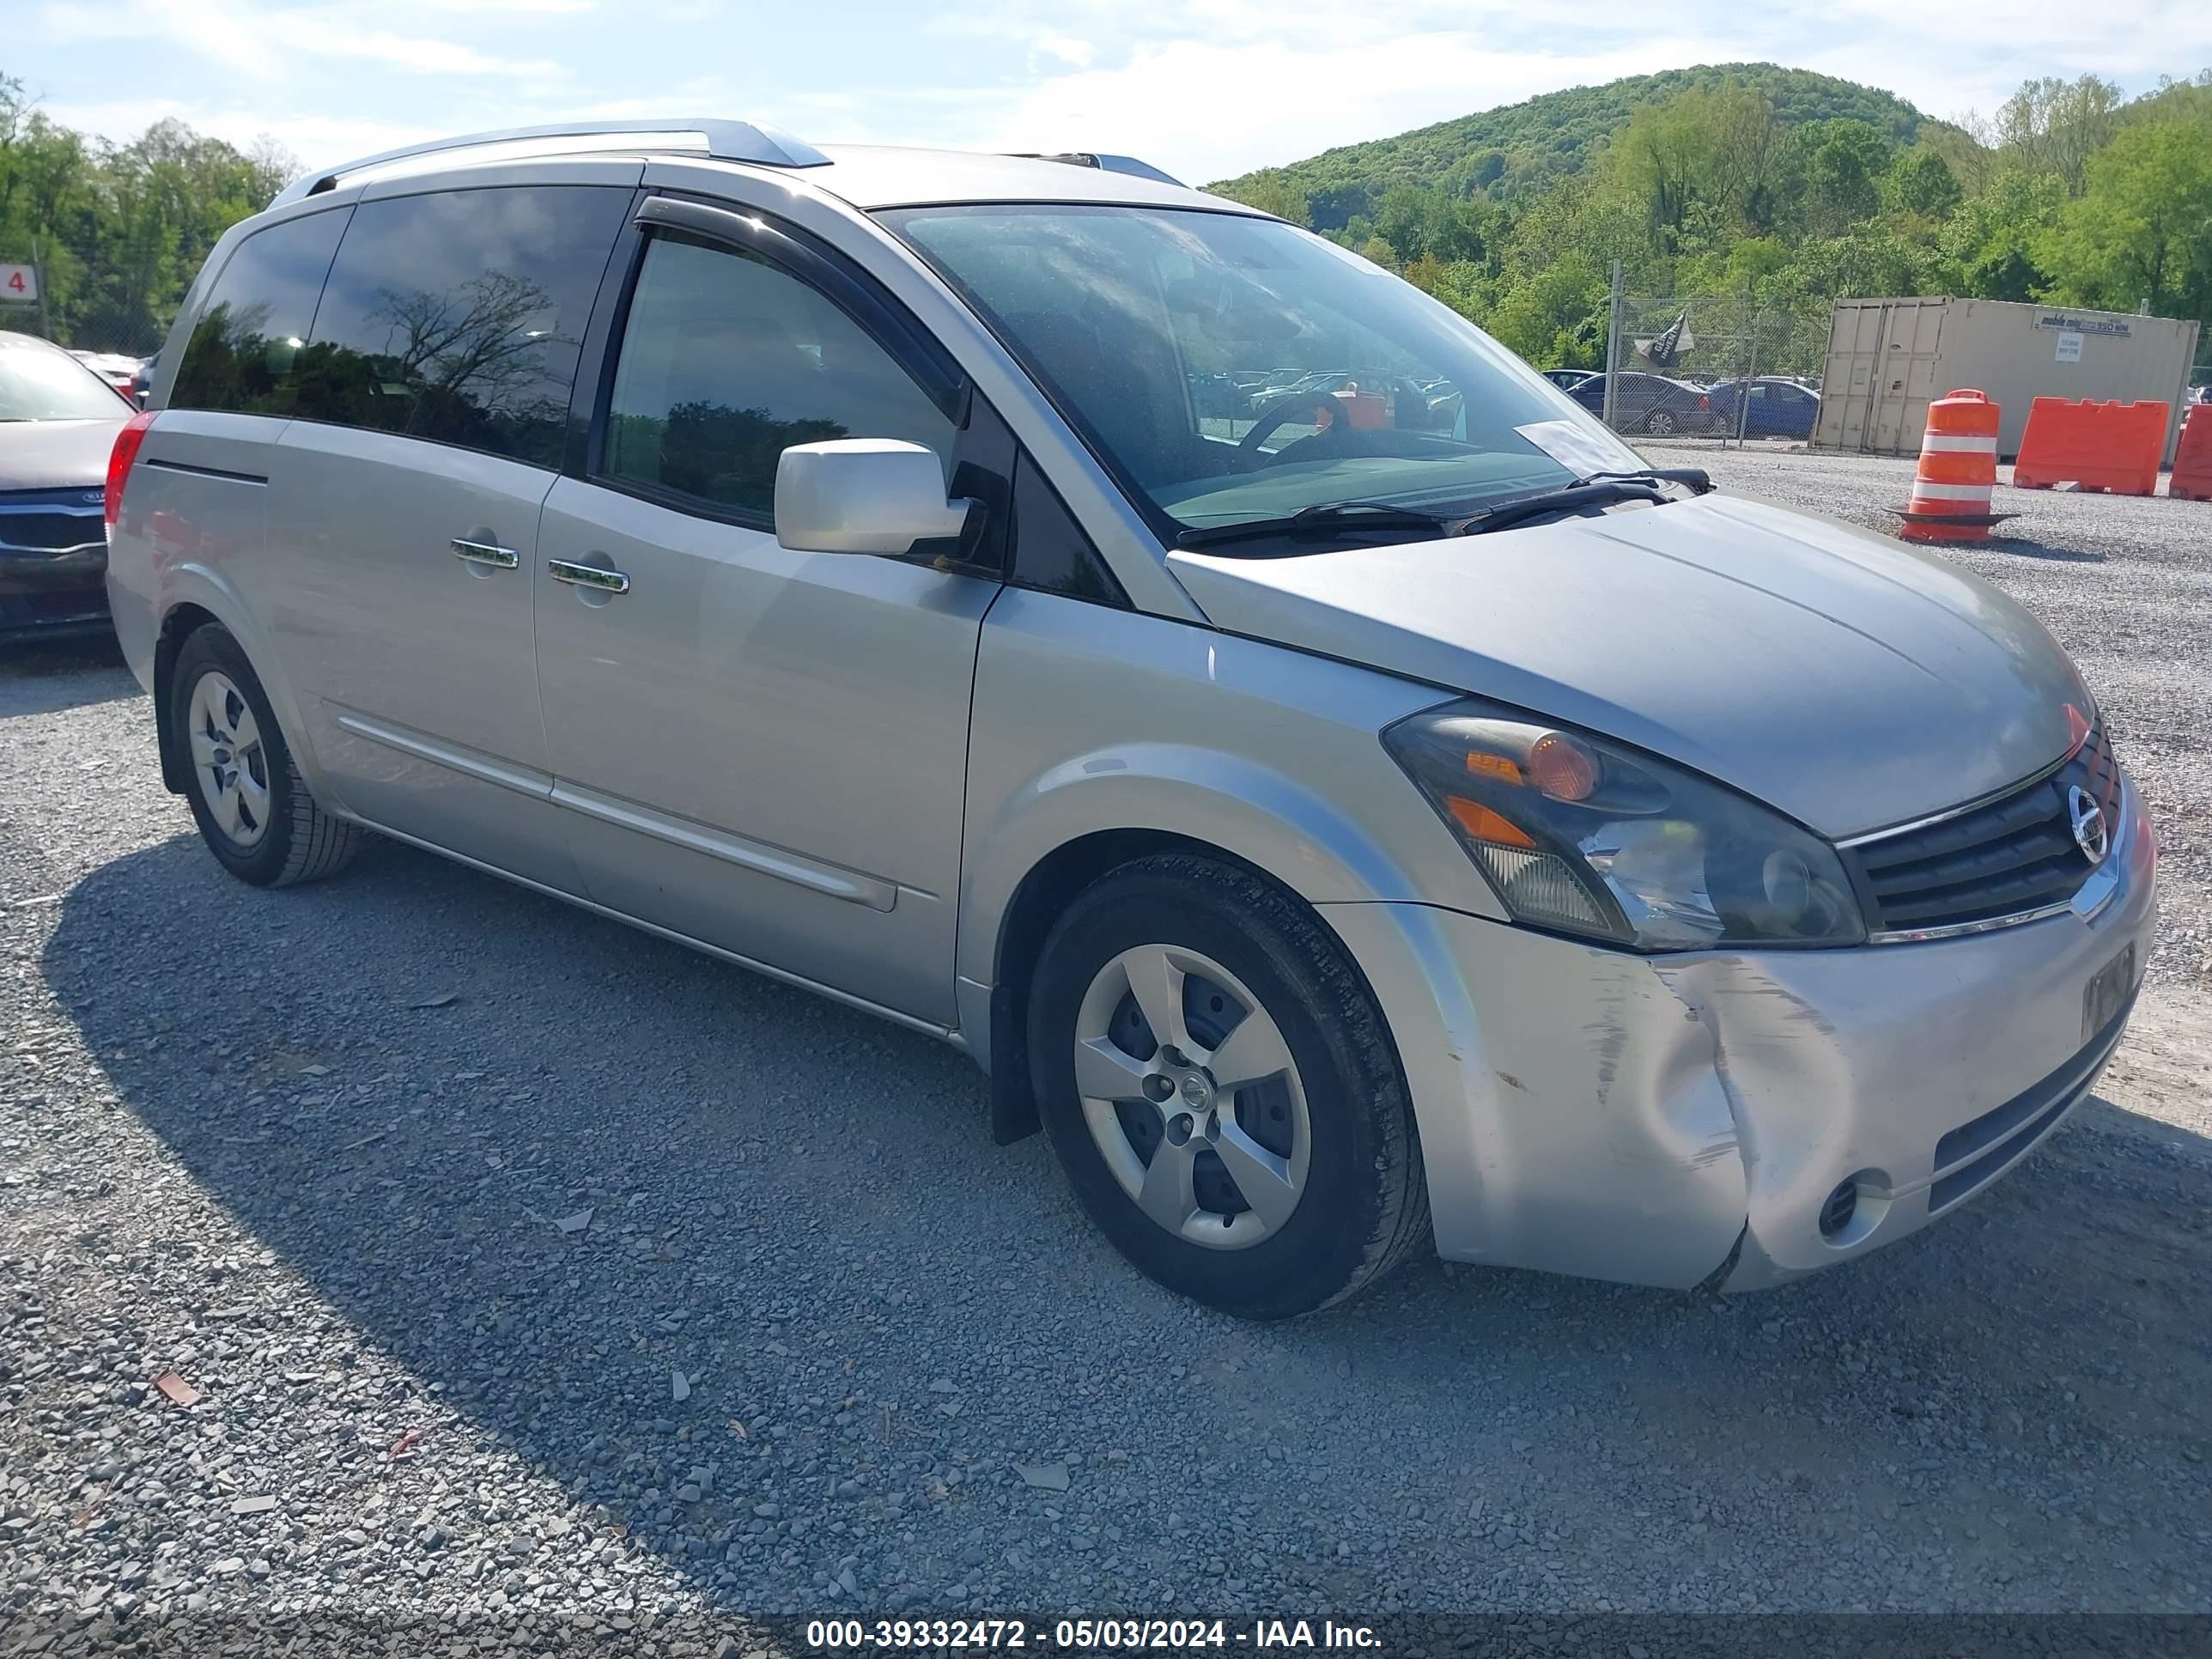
1296,403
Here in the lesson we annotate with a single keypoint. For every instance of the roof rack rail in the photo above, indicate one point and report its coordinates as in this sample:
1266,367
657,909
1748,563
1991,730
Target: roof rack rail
1104,163
726,141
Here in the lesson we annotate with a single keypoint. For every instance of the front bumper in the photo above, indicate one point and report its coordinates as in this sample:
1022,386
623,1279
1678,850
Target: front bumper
43,593
1655,1119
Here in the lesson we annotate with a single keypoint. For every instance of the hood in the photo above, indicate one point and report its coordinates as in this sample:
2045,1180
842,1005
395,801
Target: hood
56,454
1849,681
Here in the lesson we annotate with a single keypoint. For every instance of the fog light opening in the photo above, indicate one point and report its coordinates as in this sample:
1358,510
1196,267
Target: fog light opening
1839,1208
1854,1208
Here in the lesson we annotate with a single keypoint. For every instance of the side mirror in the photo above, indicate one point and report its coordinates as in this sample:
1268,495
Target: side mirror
863,496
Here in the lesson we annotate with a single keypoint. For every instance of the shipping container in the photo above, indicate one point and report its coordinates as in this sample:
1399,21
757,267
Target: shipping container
1888,358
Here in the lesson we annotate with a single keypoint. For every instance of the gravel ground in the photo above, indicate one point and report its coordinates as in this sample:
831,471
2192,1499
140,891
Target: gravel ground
516,1264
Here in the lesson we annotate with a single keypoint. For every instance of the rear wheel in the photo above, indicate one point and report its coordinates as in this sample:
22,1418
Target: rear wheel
1221,1091
254,808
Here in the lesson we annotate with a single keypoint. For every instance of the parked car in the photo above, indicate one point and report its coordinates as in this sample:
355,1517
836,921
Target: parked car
141,383
814,557
112,366
59,422
1649,403
1772,408
1566,379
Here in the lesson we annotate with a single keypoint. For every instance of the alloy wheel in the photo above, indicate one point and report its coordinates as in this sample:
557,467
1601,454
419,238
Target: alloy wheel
1191,1091
230,765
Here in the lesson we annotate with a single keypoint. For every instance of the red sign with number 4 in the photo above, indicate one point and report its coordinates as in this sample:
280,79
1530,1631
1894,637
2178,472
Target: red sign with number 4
19,283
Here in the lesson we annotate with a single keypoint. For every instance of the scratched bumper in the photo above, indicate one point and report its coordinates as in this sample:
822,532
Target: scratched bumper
1646,1118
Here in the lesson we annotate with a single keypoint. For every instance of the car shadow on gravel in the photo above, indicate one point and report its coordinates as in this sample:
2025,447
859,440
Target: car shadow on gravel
547,1164
44,677
2025,549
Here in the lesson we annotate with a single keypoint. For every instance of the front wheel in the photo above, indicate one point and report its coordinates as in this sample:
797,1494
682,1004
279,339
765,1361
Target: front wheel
1659,423
1221,1091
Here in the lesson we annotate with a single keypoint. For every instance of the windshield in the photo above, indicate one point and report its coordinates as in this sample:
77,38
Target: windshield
38,383
1232,370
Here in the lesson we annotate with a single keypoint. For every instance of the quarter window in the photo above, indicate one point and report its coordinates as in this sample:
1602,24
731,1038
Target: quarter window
726,362
245,343
458,316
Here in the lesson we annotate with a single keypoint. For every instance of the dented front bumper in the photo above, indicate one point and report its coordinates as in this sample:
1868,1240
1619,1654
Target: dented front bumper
1658,1119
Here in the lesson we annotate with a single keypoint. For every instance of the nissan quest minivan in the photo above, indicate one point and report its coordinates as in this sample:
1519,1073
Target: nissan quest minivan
1340,792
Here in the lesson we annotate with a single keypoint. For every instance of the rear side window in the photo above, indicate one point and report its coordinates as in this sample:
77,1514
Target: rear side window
728,359
245,345
458,316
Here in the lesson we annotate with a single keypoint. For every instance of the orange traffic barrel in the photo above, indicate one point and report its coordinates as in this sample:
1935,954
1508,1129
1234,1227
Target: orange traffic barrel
1958,470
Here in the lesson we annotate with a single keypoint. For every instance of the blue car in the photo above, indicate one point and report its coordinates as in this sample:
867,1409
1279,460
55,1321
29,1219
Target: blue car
1773,408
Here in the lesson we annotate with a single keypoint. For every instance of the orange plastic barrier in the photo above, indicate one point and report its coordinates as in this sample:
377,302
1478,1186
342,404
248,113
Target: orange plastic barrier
2109,446
2192,461
1958,469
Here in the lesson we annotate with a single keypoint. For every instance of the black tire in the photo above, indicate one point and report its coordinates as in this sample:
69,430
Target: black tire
1364,1206
301,842
1661,424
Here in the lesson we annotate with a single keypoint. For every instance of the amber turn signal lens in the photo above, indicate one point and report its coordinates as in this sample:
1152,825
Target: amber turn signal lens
1563,769
1479,822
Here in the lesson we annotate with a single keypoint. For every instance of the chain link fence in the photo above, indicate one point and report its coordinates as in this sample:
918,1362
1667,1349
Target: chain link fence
1711,368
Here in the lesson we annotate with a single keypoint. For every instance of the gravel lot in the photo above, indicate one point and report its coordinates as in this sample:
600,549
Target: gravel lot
524,1265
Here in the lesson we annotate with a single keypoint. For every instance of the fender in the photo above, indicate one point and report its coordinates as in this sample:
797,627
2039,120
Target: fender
1228,801
190,581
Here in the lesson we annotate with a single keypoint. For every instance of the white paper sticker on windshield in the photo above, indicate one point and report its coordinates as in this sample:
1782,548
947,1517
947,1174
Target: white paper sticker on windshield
1580,451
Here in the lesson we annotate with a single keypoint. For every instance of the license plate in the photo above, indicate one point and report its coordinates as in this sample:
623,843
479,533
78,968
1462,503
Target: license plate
2107,994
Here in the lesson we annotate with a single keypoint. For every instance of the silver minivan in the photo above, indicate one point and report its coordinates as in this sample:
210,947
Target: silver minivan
1343,796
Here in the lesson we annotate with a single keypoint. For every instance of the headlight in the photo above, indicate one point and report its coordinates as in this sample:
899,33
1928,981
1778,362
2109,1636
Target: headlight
1590,837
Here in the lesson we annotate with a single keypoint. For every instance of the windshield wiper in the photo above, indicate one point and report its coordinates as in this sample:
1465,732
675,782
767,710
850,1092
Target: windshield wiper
1591,489
1695,476
1323,520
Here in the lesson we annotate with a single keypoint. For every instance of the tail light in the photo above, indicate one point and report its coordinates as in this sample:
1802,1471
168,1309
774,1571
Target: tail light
1705,402
118,463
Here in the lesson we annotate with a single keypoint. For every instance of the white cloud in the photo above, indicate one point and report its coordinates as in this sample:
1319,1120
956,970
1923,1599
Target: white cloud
1205,110
316,141
1077,52
266,44
1205,89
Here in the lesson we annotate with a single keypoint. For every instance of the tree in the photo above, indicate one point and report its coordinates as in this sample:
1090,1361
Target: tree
2142,228
1555,317
1838,167
1921,184
1271,191
1993,233
2056,126
120,228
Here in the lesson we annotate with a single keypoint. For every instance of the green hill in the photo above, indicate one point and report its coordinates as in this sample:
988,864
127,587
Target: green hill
1504,152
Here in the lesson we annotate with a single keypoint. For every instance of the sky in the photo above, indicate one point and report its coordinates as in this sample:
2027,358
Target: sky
1204,88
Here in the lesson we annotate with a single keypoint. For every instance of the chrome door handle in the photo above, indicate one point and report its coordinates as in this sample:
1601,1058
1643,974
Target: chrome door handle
504,558
587,575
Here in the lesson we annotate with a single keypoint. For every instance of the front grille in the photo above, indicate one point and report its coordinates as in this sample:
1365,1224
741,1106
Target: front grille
42,525
2004,857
